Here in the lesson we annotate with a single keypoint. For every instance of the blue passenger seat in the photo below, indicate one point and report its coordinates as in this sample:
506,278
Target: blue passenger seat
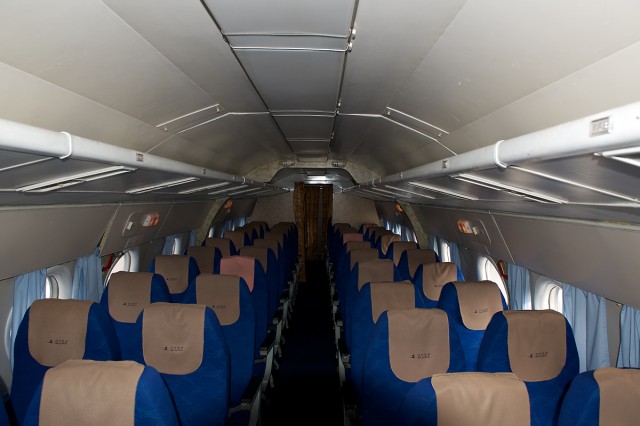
207,258
430,278
411,259
178,272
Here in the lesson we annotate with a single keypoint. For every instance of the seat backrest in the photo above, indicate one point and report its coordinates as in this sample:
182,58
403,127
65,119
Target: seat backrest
249,269
365,271
468,398
605,396
539,348
385,241
230,299
267,258
207,258
239,238
373,299
396,248
431,278
87,392
223,244
471,305
126,295
186,345
412,258
178,272
404,347
51,332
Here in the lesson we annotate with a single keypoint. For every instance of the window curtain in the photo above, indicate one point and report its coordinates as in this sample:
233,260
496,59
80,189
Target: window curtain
169,242
432,243
87,278
455,254
519,287
192,237
629,353
26,289
586,313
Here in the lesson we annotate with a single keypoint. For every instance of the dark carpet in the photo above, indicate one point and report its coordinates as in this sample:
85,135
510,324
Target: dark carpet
306,386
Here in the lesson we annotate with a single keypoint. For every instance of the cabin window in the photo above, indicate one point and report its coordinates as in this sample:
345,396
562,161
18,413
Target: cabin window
405,232
51,287
548,295
445,251
128,261
487,270
58,282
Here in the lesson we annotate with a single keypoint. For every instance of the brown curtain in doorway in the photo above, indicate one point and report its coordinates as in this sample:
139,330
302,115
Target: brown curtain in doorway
299,213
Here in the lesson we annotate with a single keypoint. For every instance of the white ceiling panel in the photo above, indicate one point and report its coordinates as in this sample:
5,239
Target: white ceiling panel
84,47
399,38
491,56
295,80
305,126
331,17
185,34
310,147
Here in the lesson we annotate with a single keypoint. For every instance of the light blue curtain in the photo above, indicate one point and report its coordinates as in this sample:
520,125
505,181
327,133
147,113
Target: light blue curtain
169,242
87,278
629,354
519,287
432,243
586,313
455,254
26,289
192,238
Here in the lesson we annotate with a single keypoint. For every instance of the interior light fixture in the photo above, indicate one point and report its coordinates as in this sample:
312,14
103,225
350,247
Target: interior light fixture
220,191
161,185
443,191
624,155
499,186
203,188
373,188
370,192
410,192
244,191
78,178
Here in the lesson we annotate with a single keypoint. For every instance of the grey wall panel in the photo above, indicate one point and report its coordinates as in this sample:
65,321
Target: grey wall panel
488,240
596,258
437,222
353,210
239,208
117,238
274,209
184,217
42,237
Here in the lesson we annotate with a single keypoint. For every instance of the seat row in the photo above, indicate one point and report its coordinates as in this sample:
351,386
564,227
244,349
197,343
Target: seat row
207,344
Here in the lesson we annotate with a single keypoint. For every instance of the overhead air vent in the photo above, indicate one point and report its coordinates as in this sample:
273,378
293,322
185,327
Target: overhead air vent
441,190
162,185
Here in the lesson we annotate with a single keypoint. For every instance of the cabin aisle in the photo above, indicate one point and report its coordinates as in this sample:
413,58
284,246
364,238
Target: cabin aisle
306,384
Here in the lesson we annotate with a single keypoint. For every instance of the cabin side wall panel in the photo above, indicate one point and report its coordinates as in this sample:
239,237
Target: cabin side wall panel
272,210
41,237
353,210
593,258
184,217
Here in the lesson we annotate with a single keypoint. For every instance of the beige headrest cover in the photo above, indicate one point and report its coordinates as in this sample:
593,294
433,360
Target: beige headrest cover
173,337
399,247
222,244
351,236
270,244
356,245
241,266
537,344
478,301
84,392
360,255
481,399
417,257
175,270
386,240
261,254
374,270
391,295
203,257
222,294
57,330
275,235
619,396
237,237
418,343
129,294
435,276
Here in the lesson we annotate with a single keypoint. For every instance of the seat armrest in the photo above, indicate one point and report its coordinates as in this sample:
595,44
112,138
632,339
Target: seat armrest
345,355
267,344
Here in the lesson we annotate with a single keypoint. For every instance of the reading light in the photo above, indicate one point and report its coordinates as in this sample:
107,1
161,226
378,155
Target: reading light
58,183
499,186
443,191
162,185
203,188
